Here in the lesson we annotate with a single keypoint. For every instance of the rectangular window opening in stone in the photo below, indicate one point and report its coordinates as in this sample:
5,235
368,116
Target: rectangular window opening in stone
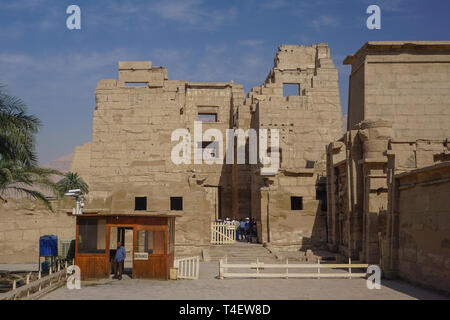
136,84
176,203
310,164
291,89
92,235
207,117
140,203
296,203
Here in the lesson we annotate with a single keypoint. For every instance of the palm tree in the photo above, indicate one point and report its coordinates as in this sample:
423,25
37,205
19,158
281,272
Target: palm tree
19,172
24,180
70,181
17,130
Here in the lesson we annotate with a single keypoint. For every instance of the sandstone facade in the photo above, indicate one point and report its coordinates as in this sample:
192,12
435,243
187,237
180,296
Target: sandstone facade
421,249
395,137
306,122
131,149
406,82
130,153
81,161
23,222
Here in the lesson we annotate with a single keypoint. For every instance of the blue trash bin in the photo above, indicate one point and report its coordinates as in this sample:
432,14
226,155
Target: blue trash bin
44,266
48,246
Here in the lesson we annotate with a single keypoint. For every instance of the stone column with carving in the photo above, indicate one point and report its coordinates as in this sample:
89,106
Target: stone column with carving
374,135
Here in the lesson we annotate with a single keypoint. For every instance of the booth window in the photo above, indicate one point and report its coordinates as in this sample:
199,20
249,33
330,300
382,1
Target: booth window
296,203
176,203
140,203
91,235
151,241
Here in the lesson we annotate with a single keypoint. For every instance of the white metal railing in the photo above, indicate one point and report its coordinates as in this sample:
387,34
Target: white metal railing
223,233
188,268
224,267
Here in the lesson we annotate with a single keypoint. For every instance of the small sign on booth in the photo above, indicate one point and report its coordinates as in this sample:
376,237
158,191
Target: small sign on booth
141,256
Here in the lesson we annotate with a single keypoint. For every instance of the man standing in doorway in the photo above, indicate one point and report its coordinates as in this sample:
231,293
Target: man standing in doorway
118,261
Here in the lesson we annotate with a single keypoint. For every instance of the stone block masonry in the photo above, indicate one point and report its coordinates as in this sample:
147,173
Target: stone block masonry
130,152
387,176
23,222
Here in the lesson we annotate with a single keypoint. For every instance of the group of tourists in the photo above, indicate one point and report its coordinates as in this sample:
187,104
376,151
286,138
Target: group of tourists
245,229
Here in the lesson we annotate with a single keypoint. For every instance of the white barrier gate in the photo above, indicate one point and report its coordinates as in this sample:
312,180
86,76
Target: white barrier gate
259,270
188,268
223,233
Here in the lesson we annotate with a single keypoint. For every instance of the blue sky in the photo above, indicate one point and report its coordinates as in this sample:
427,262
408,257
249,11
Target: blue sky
55,70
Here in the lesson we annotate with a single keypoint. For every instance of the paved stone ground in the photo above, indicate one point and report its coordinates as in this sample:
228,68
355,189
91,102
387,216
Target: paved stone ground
209,287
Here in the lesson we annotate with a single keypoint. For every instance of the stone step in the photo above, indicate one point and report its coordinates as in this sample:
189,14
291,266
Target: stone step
238,252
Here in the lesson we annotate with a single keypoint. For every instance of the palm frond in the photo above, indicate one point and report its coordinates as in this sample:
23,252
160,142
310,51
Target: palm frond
70,181
17,130
33,194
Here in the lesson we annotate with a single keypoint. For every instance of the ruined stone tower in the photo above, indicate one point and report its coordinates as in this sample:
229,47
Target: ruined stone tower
129,158
291,204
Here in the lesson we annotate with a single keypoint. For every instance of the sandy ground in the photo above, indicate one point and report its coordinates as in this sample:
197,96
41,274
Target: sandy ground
209,287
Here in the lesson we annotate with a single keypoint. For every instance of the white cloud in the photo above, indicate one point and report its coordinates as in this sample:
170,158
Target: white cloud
193,12
45,17
324,21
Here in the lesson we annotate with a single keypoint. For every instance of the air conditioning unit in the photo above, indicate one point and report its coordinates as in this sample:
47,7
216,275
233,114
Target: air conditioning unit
64,246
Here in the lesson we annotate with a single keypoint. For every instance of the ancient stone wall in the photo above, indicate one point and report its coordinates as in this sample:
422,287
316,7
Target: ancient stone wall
130,154
23,222
407,83
130,150
306,121
423,242
362,191
396,91
81,161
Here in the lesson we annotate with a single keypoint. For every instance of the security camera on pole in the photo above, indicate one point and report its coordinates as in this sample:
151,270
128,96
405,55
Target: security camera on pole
79,198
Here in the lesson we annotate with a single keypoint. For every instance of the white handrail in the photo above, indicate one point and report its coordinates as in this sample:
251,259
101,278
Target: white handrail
188,268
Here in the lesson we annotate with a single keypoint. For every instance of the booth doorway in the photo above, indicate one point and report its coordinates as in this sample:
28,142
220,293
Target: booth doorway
123,234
